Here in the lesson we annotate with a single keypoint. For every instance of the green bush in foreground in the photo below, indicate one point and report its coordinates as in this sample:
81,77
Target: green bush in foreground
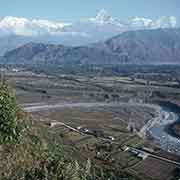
10,129
26,154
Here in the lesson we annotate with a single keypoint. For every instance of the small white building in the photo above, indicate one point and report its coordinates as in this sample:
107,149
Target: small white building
142,155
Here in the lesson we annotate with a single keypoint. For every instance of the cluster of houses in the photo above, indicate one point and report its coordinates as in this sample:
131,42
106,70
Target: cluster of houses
94,132
138,153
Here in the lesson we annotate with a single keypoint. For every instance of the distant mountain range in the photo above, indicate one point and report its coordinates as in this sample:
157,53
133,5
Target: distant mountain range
15,32
157,46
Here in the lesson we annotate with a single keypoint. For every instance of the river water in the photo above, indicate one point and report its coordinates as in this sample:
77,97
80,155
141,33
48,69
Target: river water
161,133
157,128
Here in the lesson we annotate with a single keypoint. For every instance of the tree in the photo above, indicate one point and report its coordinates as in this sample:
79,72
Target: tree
10,129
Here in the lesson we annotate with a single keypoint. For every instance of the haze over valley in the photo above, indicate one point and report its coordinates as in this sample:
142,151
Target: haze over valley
90,97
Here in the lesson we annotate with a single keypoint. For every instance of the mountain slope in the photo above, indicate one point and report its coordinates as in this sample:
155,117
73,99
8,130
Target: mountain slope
161,46
148,46
16,31
38,53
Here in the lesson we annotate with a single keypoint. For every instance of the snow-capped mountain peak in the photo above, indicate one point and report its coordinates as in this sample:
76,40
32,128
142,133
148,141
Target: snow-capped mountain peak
103,16
99,28
146,23
26,27
140,22
13,21
37,27
166,22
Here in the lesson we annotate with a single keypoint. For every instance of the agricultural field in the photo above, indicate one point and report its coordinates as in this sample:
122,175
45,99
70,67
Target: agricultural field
105,113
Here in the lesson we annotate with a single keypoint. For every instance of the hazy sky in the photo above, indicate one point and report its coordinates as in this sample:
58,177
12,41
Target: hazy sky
73,10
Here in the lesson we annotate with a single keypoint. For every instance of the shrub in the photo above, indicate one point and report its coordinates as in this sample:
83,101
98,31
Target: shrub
10,128
34,157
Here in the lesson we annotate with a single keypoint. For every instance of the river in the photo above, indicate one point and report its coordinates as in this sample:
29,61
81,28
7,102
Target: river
158,128
161,130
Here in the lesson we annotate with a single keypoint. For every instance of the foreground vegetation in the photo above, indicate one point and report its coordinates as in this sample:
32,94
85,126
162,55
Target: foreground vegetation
27,154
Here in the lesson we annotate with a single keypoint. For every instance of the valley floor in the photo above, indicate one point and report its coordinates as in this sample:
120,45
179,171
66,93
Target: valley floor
99,118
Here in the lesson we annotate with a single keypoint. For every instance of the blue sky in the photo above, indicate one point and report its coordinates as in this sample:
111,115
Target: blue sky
73,10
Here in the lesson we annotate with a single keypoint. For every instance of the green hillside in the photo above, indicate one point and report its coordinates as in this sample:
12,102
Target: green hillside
26,152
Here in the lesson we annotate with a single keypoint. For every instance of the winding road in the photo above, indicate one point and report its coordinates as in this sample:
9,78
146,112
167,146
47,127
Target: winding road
35,107
155,127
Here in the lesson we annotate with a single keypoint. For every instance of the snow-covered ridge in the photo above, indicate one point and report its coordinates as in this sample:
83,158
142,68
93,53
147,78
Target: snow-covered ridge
103,17
162,22
102,22
26,27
